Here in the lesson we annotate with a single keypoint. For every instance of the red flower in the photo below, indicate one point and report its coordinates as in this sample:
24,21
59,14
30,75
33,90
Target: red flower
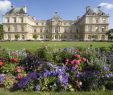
20,76
77,62
84,59
14,59
77,56
1,63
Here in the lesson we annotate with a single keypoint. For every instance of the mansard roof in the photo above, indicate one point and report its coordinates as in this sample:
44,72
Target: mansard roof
95,11
19,10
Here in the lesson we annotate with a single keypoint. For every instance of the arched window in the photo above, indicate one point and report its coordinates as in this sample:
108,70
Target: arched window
103,37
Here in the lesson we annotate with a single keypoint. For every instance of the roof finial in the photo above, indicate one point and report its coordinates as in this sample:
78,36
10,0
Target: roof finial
12,6
56,12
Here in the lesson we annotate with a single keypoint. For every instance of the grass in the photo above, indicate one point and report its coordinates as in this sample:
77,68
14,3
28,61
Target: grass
6,92
34,45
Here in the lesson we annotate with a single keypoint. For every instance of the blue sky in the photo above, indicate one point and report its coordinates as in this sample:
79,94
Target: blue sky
68,9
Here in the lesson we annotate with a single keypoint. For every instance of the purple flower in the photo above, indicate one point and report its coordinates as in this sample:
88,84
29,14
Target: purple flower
46,73
2,77
60,70
37,87
77,74
106,68
50,64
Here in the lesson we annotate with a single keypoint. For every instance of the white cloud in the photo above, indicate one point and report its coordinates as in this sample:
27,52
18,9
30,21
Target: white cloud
106,5
4,5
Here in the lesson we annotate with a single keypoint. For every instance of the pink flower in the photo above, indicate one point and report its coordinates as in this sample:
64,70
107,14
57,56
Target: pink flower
66,61
77,62
84,59
19,70
20,76
77,56
72,62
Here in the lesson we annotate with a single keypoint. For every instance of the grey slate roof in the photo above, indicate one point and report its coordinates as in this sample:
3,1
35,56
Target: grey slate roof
20,10
95,11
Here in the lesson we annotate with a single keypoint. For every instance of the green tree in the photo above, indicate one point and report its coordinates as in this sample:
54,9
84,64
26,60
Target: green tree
17,36
110,34
1,32
35,36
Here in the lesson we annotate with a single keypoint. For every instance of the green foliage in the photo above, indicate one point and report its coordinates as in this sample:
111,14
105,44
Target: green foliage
9,81
35,36
45,53
17,36
1,32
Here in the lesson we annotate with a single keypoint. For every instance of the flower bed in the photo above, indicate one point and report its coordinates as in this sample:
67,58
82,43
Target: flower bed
69,69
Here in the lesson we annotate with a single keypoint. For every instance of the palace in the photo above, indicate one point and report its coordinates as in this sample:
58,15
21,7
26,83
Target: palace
92,26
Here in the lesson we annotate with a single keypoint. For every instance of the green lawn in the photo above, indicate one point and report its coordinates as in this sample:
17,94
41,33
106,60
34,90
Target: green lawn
6,92
34,45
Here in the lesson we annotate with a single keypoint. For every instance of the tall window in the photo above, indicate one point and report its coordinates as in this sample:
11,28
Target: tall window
34,30
40,29
89,28
14,19
15,28
22,20
97,28
97,20
103,29
103,20
7,19
22,28
8,28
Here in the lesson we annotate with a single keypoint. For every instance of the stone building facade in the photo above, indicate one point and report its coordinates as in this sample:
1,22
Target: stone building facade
19,25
